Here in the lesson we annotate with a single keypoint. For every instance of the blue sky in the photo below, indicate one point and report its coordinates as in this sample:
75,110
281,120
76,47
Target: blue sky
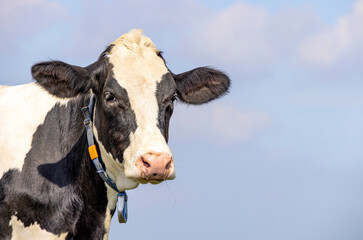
280,157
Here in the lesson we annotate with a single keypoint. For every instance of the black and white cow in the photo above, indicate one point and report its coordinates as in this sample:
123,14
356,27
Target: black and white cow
48,186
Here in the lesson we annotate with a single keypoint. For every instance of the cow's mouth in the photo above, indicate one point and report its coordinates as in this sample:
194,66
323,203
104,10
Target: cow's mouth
153,181
153,168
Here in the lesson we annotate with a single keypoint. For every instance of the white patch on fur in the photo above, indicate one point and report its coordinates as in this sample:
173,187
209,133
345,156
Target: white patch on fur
23,109
138,69
34,231
107,223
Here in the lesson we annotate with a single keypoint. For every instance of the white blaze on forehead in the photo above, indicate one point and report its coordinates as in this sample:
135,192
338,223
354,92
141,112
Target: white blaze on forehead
138,69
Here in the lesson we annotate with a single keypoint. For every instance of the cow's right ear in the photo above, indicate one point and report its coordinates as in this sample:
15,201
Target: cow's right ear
62,79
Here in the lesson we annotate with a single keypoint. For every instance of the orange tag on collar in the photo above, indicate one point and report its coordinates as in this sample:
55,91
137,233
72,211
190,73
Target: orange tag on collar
93,152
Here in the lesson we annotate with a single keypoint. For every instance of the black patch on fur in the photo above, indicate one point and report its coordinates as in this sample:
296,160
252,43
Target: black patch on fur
100,71
6,212
61,79
201,85
67,81
116,121
58,187
106,52
165,91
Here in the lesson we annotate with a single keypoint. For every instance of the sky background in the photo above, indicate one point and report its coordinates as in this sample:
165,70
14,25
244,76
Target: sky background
279,158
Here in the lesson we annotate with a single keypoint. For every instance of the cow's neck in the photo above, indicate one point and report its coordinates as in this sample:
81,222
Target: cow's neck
87,184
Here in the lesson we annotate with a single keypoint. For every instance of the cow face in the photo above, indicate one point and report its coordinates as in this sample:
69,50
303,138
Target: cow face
134,93
134,108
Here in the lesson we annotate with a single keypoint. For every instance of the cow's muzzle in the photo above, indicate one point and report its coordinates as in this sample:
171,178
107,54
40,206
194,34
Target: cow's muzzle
155,166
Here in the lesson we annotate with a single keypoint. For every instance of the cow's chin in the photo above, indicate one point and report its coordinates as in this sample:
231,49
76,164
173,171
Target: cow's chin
152,181
127,178
124,183
141,180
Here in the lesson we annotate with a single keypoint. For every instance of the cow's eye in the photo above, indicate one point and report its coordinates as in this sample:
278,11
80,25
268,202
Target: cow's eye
109,97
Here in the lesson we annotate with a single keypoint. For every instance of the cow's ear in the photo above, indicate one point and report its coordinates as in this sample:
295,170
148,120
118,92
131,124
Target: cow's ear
61,79
201,85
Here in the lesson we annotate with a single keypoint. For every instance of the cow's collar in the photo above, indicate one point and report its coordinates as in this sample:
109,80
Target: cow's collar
122,196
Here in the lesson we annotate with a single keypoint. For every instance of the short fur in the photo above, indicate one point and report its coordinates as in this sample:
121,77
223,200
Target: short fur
57,188
52,187
61,79
201,85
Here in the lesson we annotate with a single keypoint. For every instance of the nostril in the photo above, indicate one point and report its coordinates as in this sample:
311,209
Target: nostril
146,164
155,174
168,165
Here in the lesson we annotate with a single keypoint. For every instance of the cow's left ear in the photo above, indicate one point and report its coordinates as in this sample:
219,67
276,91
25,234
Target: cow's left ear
201,85
62,79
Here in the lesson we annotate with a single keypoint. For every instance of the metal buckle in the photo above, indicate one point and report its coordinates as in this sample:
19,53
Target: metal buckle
122,207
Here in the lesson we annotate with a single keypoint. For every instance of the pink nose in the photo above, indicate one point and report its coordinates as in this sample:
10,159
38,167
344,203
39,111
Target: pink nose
154,166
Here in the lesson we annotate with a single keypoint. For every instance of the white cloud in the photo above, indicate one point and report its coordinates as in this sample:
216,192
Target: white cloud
20,17
333,44
234,36
248,39
224,122
23,20
245,40
252,43
231,123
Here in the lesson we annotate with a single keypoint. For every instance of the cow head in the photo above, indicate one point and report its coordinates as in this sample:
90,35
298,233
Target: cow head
135,94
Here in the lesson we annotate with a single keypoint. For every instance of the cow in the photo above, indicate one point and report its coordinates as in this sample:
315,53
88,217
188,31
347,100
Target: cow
49,188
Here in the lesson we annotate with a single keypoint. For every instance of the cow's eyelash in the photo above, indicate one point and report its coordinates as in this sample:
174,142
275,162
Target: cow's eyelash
172,98
109,97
